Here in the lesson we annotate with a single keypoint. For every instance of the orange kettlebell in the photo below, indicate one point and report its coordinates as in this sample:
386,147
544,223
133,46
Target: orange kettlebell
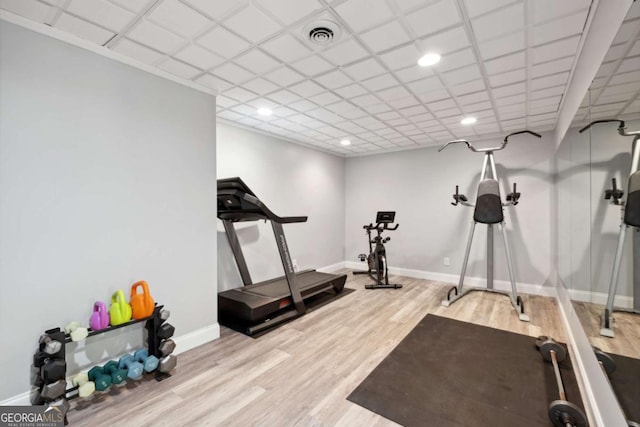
142,304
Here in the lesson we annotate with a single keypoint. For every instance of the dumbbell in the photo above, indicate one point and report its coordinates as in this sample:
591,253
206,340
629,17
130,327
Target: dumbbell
134,369
76,331
165,331
167,363
48,345
62,406
166,347
562,413
164,314
100,378
85,387
54,390
117,375
150,363
53,370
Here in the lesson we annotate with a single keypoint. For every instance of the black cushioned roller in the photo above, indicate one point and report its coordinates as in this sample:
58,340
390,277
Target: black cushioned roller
488,204
632,210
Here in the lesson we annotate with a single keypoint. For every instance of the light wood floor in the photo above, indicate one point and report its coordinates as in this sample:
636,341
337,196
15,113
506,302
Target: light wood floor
626,327
301,374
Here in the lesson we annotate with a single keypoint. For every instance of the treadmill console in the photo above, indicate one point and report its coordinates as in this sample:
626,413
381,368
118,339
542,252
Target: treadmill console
385,217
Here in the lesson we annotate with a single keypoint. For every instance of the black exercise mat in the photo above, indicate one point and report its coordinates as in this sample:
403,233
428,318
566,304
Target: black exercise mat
313,303
452,373
625,381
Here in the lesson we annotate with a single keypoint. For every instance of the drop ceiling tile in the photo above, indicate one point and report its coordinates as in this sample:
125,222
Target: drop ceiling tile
508,78
299,118
217,9
350,91
552,67
506,63
83,29
239,94
549,81
472,98
401,57
418,118
441,105
513,99
257,61
553,100
502,46
616,52
426,85
345,52
635,50
264,103
233,73
137,51
363,70
469,87
455,60
341,107
352,11
286,48
284,112
555,50
386,36
393,93
381,82
632,76
248,121
260,86
179,69
377,108
230,115
179,18
509,90
223,42
284,76
370,123
252,23
134,6
200,57
433,18
544,93
324,98
630,64
445,42
606,69
474,108
401,103
628,31
499,23
541,110
101,12
548,9
312,66
629,88
306,89
436,95
334,79
355,113
303,105
462,75
367,99
390,115
213,82
225,102
28,8
290,11
244,110
615,98
475,7
558,29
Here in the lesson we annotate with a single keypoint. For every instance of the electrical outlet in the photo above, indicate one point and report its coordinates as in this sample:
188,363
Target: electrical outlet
446,261
295,264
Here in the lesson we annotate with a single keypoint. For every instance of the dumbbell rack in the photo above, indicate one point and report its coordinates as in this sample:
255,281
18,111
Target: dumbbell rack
152,325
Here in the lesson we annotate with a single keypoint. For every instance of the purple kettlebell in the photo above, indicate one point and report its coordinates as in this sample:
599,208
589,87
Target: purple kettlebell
100,316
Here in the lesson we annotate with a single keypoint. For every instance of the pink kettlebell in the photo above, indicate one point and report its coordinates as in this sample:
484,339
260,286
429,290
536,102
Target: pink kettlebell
100,317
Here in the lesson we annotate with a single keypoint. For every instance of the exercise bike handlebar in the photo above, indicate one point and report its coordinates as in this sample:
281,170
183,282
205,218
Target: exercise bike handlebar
385,226
622,128
489,149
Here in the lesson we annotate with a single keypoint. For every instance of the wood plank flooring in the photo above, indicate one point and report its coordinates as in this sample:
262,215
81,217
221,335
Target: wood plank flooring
301,374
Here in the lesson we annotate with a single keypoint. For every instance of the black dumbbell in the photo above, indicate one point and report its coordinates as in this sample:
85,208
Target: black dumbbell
166,347
53,370
48,345
167,363
54,390
165,331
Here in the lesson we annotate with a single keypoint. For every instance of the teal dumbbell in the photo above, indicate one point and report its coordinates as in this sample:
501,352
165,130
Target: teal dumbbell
134,369
117,375
150,363
99,378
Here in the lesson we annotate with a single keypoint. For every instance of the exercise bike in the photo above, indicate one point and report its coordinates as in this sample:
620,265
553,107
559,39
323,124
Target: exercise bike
377,259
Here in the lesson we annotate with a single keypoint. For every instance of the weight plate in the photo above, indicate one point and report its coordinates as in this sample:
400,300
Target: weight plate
562,413
540,340
547,346
606,360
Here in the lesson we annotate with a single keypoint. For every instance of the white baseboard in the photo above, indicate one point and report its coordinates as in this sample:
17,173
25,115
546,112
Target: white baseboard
502,285
331,268
599,298
183,343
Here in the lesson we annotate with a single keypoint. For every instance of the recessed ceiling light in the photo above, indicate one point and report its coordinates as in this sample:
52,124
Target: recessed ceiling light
264,111
345,142
468,120
429,59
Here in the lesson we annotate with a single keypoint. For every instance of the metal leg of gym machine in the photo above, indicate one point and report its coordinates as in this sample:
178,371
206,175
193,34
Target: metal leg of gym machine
606,321
379,284
517,304
459,294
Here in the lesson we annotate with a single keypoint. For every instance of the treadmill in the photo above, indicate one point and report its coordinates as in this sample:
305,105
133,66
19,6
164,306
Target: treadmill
256,307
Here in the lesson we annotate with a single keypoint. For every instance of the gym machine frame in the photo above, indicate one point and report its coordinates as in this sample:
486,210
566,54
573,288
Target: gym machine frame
630,218
378,257
512,200
153,324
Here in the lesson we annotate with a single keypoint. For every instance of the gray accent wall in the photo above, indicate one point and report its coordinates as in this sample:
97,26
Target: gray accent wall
107,176
292,180
419,184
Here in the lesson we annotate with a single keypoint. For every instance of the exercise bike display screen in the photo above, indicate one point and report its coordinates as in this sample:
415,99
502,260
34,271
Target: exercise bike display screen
385,217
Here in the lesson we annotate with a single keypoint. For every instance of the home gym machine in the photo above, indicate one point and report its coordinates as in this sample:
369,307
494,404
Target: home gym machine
630,214
378,269
488,210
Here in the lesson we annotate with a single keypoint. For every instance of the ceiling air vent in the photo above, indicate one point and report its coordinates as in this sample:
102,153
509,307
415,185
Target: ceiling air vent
322,32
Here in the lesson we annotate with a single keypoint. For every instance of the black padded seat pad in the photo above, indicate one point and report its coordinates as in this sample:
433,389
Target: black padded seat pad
632,210
488,204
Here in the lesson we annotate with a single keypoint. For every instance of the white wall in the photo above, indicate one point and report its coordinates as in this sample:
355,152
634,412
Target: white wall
419,184
291,180
106,177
